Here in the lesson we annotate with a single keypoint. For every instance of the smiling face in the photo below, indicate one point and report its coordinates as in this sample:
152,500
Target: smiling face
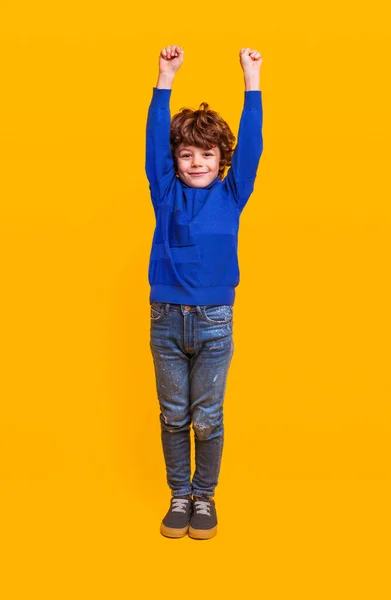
197,167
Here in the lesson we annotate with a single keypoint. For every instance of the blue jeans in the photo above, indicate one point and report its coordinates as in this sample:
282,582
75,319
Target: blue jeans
192,348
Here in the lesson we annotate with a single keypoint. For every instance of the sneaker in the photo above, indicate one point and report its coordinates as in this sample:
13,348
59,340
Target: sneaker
176,522
203,522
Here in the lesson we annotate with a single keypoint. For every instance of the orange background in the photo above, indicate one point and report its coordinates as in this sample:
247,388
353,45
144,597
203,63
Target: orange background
307,408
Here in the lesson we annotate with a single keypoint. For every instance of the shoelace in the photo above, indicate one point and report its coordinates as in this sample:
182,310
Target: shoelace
179,505
202,507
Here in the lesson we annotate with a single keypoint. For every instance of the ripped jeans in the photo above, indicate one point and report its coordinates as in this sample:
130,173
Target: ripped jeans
192,348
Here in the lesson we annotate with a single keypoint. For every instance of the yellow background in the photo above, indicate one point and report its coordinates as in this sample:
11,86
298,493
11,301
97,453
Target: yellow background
306,461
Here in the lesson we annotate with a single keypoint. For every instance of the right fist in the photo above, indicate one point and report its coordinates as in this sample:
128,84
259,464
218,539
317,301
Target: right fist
170,59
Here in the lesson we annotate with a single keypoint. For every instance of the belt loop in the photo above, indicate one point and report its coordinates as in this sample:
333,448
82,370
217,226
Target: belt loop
199,312
166,308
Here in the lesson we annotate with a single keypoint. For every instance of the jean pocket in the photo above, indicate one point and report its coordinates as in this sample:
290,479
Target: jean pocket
156,311
219,314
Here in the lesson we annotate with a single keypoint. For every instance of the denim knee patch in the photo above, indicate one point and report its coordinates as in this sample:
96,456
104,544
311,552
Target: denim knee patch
202,431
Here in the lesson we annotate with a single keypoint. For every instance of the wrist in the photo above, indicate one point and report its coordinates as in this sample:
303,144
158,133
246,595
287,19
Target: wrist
165,80
252,81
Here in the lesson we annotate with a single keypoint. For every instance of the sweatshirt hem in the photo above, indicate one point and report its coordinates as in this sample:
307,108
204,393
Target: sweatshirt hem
202,296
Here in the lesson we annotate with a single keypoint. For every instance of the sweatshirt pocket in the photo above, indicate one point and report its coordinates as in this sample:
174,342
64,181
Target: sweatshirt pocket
219,259
180,254
186,254
184,258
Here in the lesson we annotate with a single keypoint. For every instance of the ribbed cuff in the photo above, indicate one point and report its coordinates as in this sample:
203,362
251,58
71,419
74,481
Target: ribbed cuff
161,97
253,99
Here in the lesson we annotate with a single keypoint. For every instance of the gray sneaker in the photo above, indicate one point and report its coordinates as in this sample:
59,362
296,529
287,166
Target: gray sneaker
176,522
203,522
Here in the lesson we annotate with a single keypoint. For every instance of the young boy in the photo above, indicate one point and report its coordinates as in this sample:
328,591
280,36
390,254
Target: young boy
193,273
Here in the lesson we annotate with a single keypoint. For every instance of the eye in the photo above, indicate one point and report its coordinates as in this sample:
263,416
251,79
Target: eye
208,154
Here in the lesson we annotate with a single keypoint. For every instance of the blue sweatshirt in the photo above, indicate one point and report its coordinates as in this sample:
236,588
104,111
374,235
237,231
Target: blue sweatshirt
194,257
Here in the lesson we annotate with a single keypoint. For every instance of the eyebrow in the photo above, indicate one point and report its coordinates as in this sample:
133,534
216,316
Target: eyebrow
189,150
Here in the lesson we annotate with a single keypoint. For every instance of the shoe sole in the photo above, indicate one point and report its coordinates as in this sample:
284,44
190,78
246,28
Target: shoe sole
202,534
173,532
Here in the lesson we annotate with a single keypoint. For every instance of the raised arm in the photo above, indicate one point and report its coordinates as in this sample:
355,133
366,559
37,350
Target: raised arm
159,163
245,159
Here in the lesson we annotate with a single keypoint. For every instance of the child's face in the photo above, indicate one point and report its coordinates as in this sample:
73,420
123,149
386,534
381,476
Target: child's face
197,167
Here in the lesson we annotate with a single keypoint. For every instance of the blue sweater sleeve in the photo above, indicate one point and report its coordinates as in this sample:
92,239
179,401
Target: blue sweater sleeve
245,159
159,163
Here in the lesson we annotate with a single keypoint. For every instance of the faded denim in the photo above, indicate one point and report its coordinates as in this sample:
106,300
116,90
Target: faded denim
192,348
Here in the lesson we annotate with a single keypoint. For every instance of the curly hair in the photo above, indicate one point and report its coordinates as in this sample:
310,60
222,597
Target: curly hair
203,128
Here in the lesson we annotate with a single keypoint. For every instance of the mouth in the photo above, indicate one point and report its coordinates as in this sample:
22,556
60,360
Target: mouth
198,174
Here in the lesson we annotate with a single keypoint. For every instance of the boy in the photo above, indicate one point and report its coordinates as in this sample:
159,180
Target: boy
193,273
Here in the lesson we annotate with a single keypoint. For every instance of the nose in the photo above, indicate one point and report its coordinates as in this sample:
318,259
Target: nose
196,162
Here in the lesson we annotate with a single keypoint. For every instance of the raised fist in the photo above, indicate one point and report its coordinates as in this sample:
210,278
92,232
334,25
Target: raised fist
170,59
250,60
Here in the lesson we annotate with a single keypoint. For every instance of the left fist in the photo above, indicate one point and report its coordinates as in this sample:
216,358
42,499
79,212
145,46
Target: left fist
250,60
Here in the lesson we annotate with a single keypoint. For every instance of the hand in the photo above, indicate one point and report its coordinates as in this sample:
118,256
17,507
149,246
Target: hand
170,59
250,60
